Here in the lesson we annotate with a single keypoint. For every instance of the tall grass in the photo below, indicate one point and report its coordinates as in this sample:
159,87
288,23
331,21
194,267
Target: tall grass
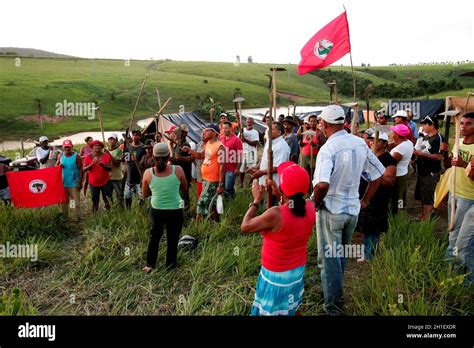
409,276
95,267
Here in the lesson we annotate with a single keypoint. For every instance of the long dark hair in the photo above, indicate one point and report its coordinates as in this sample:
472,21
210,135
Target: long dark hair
161,163
298,204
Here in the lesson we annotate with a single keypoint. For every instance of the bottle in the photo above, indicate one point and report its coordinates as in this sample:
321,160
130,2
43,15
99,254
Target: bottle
220,205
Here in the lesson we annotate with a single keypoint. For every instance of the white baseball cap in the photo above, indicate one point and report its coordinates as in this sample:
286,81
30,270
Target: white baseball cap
382,136
43,138
113,135
401,113
223,114
333,114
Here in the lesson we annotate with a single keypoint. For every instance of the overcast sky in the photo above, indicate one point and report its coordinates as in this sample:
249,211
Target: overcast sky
382,32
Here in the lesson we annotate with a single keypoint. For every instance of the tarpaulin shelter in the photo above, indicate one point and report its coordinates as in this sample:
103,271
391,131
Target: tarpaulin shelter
420,107
164,122
194,122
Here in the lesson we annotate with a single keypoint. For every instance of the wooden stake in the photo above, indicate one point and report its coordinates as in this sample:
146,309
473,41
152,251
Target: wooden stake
136,103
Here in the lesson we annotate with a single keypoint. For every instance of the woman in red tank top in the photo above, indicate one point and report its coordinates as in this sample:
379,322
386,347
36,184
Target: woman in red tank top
285,230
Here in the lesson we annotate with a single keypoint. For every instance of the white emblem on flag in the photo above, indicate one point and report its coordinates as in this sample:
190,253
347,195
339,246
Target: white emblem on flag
322,48
37,186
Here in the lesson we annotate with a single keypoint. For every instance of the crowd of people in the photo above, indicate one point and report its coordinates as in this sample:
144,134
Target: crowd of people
320,176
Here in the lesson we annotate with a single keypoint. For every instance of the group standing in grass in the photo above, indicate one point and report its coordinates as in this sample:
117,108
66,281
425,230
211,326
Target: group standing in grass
322,178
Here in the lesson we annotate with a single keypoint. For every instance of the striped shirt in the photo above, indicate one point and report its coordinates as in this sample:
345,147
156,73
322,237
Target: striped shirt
341,161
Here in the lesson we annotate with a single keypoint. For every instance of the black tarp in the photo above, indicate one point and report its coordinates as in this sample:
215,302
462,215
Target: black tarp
191,119
420,107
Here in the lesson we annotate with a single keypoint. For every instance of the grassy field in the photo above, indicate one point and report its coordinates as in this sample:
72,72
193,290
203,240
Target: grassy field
115,86
93,266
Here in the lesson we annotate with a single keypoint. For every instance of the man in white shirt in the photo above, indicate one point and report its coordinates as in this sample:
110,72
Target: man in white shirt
43,153
250,141
281,153
341,162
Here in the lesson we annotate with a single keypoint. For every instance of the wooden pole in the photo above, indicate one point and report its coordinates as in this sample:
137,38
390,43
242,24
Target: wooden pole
101,124
136,103
269,138
158,98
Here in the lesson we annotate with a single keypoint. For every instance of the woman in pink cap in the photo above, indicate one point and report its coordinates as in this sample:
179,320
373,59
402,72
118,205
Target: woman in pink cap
280,284
71,164
402,153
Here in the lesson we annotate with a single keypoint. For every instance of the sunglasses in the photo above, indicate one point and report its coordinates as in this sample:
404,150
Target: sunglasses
427,118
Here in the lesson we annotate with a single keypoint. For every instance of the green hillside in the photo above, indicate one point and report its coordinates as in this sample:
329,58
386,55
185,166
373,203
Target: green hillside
114,86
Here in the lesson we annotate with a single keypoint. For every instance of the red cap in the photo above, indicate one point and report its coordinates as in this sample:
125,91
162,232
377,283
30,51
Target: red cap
171,129
97,142
293,178
67,143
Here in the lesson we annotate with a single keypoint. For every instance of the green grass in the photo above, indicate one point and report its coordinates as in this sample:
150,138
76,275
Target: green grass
115,87
410,276
94,267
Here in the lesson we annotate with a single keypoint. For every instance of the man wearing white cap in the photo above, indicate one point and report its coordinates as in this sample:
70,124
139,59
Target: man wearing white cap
341,161
43,153
401,117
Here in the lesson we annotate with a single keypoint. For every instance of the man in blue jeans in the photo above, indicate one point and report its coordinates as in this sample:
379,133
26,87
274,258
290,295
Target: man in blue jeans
461,238
341,161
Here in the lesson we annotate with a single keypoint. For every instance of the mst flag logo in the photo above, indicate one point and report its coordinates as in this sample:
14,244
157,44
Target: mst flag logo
327,46
322,48
37,186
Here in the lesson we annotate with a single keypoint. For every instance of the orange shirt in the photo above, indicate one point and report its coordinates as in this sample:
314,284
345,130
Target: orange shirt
210,166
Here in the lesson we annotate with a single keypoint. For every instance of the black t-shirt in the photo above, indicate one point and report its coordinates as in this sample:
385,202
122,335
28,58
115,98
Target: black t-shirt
426,166
374,218
381,197
187,166
133,174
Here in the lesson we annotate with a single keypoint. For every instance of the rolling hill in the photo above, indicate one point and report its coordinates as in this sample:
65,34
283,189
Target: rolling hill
114,85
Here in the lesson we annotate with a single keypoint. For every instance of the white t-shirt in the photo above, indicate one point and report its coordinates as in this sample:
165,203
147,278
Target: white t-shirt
40,154
251,135
281,153
406,150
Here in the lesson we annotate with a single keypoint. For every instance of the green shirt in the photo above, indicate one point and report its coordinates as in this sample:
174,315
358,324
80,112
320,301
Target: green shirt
165,191
116,173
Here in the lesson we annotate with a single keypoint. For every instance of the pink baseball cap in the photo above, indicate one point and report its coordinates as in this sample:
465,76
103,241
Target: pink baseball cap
171,129
293,178
401,130
67,143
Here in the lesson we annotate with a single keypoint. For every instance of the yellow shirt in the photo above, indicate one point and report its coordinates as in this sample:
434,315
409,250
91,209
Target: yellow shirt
464,185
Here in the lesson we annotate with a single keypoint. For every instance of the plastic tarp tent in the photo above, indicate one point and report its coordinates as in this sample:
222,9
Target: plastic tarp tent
191,119
420,107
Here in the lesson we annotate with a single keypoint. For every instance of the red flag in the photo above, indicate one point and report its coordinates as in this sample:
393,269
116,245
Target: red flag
36,188
327,46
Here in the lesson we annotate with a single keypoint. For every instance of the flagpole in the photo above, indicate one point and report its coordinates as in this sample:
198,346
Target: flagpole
353,76
352,66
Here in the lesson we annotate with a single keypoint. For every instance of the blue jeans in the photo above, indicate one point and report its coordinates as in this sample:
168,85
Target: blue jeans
229,184
370,245
461,238
458,242
333,230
